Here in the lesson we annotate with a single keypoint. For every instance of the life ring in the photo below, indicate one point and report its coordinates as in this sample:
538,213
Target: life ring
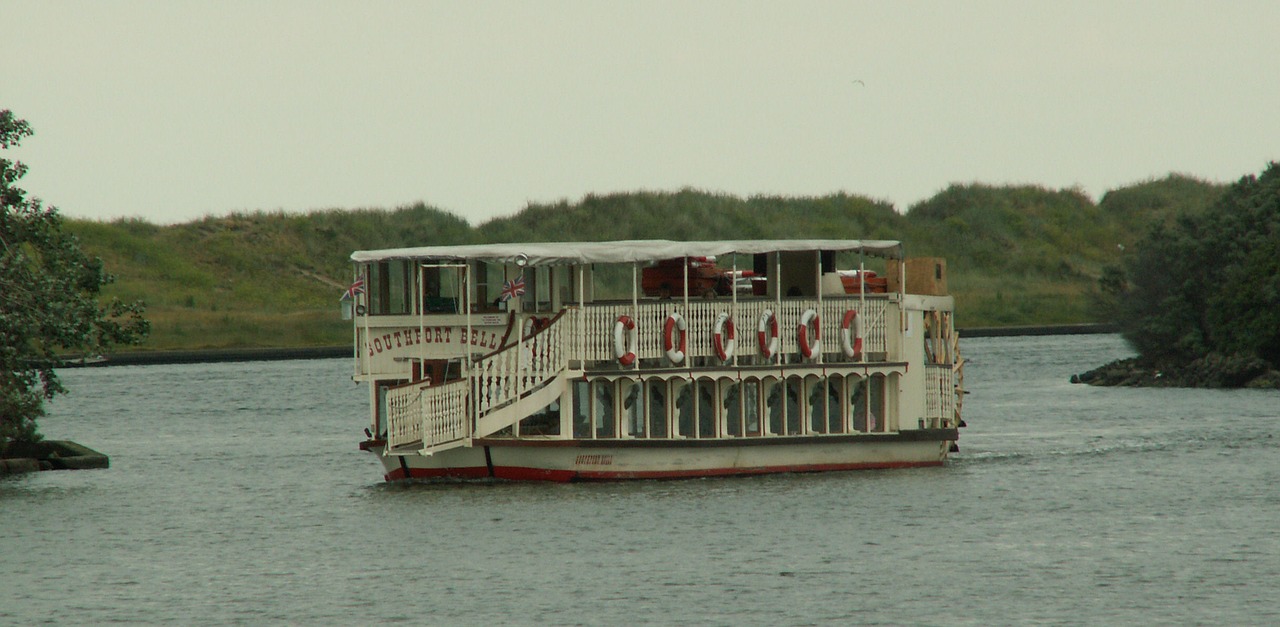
851,334
625,338
724,329
675,350
767,335
809,348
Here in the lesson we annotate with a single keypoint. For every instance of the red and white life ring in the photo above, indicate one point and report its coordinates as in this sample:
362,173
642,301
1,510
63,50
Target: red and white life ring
724,329
675,349
851,334
809,346
625,338
767,336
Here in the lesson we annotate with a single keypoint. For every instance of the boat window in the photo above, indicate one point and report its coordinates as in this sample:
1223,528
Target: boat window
542,284
731,401
581,409
537,289
751,406
858,401
602,409
867,398
389,287
657,408
683,393
817,404
398,281
835,406
877,402
439,289
544,422
489,284
794,417
562,281
633,414
773,401
706,408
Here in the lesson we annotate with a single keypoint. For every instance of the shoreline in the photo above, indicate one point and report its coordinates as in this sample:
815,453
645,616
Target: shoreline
226,355
23,458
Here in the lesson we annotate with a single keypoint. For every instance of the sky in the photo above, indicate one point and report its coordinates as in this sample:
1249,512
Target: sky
174,110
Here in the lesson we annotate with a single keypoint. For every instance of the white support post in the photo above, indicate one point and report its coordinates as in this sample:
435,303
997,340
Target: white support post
422,316
635,309
777,294
862,301
582,319
687,360
818,326
733,308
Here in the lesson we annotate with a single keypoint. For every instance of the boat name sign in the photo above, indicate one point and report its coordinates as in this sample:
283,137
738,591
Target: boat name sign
387,340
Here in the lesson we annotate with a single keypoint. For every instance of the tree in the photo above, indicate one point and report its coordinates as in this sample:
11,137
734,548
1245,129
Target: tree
1209,282
49,300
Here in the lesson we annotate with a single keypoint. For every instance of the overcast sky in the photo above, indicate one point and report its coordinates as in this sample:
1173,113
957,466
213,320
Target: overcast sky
172,110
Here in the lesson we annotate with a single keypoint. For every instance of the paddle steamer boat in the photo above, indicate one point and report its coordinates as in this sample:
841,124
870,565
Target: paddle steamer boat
579,361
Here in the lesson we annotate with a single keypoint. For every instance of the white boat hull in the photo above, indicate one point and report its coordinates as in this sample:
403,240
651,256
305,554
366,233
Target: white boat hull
570,460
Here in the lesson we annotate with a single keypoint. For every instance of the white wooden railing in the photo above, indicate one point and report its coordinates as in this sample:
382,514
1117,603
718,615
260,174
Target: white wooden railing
430,416
940,396
434,414
597,323
526,365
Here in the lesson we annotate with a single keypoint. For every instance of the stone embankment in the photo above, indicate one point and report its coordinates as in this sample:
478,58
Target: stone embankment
1211,371
50,455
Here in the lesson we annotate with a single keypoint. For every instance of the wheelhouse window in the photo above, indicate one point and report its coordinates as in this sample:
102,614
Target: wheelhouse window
439,289
540,284
489,282
390,286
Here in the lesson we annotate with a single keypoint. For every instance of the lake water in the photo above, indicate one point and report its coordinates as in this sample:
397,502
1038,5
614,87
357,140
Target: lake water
236,495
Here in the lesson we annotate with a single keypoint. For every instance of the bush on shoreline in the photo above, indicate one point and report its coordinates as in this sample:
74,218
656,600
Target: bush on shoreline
1199,298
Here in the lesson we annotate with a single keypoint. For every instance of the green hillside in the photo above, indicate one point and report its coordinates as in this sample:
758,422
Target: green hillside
1016,255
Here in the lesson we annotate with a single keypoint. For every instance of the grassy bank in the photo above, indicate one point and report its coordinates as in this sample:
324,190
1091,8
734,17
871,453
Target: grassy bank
1017,255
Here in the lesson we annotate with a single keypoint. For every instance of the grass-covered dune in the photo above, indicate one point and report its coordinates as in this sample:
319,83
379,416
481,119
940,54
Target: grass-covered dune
1016,255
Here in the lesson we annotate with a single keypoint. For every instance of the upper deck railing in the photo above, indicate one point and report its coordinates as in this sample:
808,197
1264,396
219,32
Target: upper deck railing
587,335
593,338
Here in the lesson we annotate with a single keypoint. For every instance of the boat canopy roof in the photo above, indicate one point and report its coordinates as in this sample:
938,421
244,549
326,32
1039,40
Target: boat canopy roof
626,251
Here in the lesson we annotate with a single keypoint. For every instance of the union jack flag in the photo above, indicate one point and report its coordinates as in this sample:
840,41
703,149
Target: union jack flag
513,288
356,289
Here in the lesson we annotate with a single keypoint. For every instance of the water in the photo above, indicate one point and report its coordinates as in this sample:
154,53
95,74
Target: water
236,495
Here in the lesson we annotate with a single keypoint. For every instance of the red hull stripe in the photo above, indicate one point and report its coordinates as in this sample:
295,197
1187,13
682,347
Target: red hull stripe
517,473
